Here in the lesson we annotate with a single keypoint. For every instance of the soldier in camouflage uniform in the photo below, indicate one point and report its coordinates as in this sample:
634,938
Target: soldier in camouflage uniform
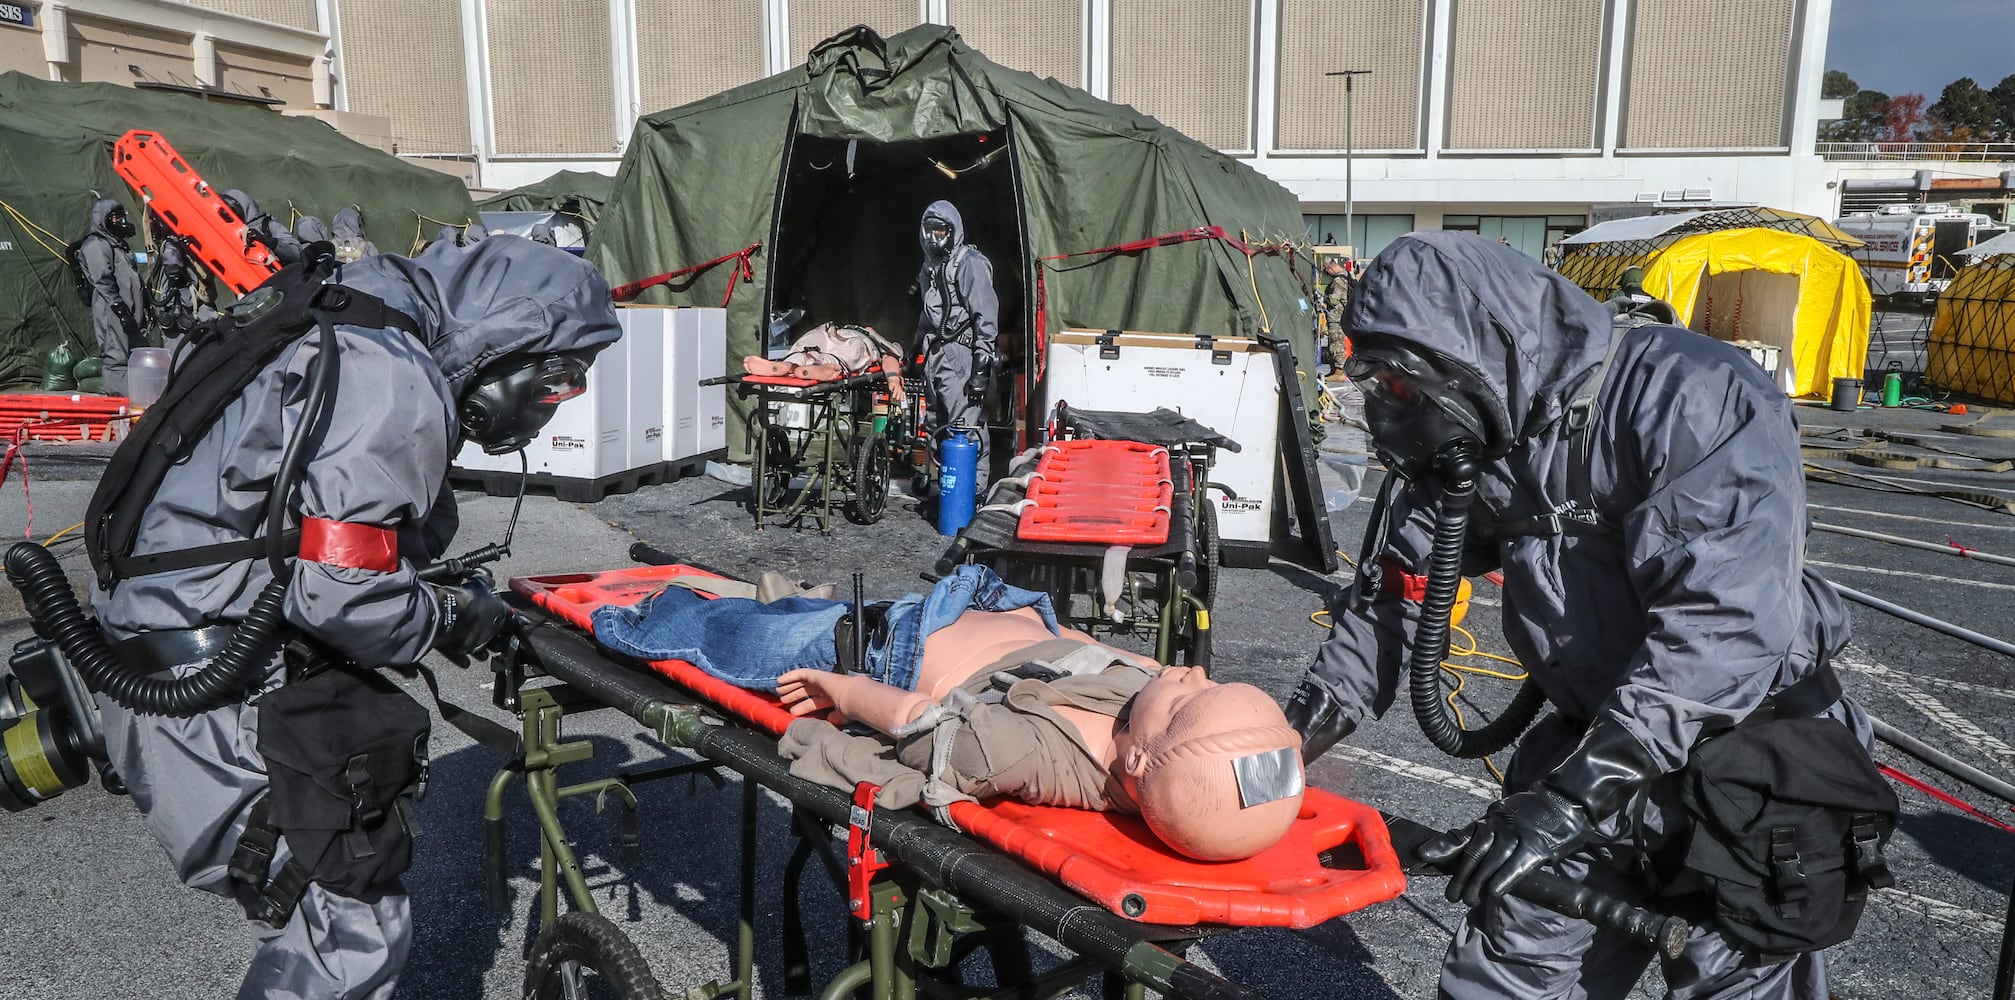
1335,297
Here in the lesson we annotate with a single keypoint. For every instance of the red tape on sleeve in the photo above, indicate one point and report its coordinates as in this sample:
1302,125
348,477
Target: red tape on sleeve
356,546
1393,581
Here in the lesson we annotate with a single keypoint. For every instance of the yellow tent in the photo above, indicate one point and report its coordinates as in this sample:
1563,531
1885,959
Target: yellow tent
1972,344
1767,285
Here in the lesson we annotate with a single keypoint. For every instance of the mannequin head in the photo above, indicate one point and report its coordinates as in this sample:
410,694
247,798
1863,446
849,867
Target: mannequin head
1215,767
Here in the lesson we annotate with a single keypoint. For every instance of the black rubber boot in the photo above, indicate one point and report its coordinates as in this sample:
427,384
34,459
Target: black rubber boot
1319,718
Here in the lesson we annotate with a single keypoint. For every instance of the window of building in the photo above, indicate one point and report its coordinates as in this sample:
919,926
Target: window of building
403,62
1531,234
1367,233
1319,36
684,58
539,50
814,21
1693,85
1044,37
1188,68
1525,74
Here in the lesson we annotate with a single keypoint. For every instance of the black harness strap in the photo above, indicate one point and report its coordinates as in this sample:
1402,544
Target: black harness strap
270,902
1582,516
218,554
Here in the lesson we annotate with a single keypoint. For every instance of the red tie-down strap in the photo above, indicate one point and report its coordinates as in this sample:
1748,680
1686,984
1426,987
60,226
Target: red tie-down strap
354,546
743,270
1134,247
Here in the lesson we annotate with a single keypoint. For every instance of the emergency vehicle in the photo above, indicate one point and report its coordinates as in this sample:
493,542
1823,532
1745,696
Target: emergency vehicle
1913,250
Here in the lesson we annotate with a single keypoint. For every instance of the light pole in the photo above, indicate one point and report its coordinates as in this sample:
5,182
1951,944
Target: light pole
1349,154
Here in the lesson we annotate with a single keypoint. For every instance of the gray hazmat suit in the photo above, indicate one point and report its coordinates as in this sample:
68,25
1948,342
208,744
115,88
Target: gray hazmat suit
956,330
264,228
543,233
116,296
1691,613
382,461
178,289
309,229
347,230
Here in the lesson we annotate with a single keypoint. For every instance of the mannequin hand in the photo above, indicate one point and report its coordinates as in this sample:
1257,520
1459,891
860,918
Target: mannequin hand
806,692
1515,836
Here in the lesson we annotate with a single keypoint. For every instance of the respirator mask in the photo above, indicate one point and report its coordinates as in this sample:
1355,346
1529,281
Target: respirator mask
118,224
513,399
1417,405
937,239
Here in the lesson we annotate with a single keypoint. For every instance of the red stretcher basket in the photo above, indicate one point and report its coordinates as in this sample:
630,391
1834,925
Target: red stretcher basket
1107,857
1099,492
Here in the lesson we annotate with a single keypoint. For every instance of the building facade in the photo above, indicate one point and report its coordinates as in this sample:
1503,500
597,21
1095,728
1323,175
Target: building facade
271,53
1521,119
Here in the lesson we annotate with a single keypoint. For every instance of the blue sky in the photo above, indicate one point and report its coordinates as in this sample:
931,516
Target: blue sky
1919,46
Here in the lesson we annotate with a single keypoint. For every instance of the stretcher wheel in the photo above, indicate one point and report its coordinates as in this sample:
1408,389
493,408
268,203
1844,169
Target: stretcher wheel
585,955
870,474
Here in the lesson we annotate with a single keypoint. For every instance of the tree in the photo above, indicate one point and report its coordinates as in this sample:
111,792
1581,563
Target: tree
1836,86
1860,118
1964,113
2004,104
1901,118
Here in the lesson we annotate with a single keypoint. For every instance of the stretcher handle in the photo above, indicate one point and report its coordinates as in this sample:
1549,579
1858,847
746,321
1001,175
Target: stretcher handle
651,555
1561,895
950,560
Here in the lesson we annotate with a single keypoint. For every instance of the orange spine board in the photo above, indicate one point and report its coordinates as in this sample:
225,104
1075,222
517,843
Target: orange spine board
180,198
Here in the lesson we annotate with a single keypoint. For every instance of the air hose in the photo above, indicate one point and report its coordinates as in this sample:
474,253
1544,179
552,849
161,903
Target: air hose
1457,467
34,571
245,659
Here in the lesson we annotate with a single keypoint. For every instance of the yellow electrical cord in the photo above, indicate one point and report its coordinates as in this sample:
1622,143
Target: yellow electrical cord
1458,670
51,540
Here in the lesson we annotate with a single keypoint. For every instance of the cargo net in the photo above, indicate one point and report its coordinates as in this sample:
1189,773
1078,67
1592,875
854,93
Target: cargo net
1972,345
1597,268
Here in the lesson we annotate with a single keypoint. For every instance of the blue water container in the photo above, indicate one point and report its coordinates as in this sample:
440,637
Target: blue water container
958,465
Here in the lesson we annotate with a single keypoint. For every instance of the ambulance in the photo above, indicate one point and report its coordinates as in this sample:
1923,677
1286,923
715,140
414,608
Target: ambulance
1913,250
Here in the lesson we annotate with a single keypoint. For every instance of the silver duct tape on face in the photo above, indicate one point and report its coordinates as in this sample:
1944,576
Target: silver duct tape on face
1267,777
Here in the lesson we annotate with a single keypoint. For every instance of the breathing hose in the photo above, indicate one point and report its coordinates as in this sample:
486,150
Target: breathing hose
1457,466
45,589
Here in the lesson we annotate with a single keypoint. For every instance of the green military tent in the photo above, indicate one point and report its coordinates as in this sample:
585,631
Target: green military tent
572,192
829,167
55,160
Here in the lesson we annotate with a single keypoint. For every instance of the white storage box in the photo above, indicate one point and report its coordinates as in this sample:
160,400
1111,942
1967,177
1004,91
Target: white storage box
695,417
1228,384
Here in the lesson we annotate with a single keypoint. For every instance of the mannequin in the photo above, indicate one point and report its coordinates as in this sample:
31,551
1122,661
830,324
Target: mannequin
1212,768
831,351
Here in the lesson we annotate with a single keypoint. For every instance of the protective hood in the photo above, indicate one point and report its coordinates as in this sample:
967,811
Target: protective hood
449,235
500,297
1489,308
945,212
243,204
348,223
99,212
311,230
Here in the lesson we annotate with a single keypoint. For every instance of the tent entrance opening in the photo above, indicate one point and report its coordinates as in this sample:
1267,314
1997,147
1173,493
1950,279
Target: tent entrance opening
846,244
1748,305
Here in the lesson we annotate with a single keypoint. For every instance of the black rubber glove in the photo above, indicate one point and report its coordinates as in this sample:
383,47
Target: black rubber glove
1554,818
472,615
1319,718
981,379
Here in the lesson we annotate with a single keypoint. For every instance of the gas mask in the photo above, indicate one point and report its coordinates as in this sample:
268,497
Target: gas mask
1417,405
118,224
937,239
514,398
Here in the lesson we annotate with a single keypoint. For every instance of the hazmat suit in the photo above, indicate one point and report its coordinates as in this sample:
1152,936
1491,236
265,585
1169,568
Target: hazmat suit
957,328
1695,606
264,228
347,230
543,233
117,303
309,229
376,472
179,291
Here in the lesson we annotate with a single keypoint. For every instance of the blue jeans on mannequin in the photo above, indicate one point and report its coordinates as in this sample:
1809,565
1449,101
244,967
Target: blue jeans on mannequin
750,644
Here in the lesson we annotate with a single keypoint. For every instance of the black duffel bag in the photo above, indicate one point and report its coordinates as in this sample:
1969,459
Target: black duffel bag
1785,823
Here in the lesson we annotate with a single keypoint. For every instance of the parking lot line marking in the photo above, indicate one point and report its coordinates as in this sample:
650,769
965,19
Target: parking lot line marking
1878,670
1421,772
1958,725
1939,910
1943,523
1932,577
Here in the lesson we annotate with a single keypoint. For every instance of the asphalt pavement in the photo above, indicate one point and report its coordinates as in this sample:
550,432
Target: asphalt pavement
89,909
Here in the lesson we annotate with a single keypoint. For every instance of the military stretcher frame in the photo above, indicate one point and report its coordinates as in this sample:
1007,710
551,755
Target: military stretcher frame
834,445
923,896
